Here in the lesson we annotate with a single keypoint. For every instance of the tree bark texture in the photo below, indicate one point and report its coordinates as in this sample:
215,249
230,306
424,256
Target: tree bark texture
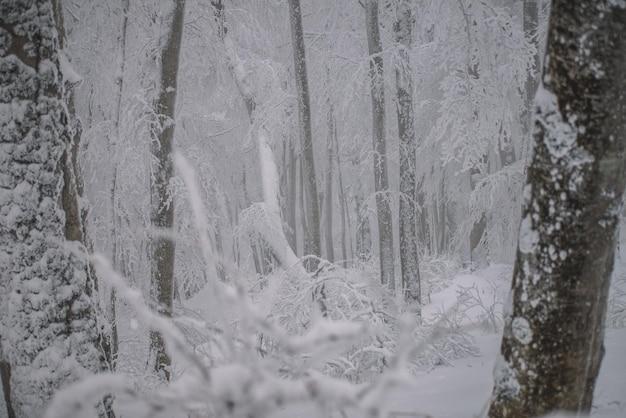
553,337
409,258
5,381
162,212
531,22
312,234
381,184
46,299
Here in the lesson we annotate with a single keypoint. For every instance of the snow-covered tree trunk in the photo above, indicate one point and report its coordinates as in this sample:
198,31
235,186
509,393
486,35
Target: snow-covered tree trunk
409,258
114,138
553,336
162,211
381,186
312,244
48,322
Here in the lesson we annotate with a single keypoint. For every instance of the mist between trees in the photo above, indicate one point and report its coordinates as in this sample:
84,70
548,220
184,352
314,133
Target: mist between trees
222,208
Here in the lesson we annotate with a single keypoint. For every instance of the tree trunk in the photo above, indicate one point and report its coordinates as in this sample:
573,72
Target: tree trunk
478,252
363,232
162,212
290,194
5,380
344,207
423,231
409,259
531,21
312,235
553,339
113,148
381,187
328,194
46,288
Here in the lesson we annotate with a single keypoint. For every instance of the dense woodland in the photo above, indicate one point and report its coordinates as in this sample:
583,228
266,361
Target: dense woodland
218,208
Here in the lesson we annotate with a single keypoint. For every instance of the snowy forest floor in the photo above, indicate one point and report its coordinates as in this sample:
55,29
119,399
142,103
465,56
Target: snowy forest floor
458,386
462,387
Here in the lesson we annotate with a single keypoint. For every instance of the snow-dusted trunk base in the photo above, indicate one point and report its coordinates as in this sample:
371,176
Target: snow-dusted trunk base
552,344
48,327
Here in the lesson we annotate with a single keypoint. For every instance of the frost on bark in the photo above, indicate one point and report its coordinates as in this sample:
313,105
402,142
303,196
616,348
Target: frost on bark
48,322
409,259
553,337
381,187
312,244
162,212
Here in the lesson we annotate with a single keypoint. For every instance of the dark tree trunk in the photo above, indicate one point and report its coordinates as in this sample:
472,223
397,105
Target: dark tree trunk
553,339
5,380
162,214
531,22
312,234
363,232
344,207
381,186
328,193
290,194
409,258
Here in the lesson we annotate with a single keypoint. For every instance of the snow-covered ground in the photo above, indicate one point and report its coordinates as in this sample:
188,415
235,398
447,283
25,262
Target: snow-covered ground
462,389
459,387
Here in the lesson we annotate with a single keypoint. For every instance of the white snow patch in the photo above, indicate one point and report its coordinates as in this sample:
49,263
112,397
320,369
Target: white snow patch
527,193
521,330
70,76
618,3
528,237
560,136
504,377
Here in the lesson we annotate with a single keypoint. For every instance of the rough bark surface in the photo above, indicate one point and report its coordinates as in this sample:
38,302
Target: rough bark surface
409,257
47,319
552,345
312,244
162,213
381,184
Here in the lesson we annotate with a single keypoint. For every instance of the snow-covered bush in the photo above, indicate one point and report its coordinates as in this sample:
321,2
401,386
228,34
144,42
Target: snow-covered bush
340,294
218,366
436,273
